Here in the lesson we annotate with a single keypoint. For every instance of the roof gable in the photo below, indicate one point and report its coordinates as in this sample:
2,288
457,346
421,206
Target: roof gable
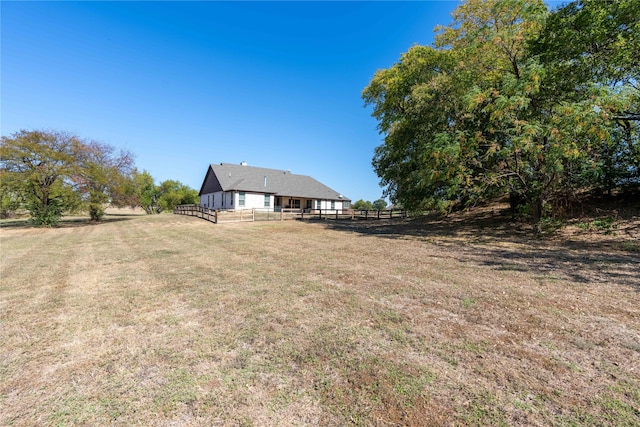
210,183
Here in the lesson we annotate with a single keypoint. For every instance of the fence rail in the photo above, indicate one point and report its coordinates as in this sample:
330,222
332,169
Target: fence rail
198,211
244,215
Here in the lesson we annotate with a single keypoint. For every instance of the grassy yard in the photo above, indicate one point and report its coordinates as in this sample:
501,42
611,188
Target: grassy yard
171,320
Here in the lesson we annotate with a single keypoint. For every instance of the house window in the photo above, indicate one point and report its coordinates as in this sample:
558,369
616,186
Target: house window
333,204
318,204
267,200
208,200
223,199
345,205
241,198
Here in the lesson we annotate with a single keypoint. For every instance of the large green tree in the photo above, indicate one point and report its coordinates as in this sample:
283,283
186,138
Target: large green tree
52,172
591,43
36,166
480,115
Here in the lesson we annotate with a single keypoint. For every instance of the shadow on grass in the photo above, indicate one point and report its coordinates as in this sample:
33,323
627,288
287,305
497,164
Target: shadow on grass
581,263
476,227
494,240
68,222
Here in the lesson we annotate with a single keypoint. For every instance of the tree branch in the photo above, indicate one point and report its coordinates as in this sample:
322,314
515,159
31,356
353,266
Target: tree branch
628,117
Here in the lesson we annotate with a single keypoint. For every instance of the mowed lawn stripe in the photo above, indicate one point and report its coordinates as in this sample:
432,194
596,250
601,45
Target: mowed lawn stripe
170,320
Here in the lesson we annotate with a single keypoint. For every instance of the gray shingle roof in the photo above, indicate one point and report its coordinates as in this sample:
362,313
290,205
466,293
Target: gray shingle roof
234,177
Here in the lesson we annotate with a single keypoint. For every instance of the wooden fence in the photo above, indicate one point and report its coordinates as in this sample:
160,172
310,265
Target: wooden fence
251,215
198,211
352,214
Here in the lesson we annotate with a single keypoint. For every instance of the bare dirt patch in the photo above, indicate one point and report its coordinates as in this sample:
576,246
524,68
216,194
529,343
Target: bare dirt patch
171,320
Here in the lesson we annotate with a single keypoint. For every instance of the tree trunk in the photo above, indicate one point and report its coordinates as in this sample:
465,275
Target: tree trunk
515,201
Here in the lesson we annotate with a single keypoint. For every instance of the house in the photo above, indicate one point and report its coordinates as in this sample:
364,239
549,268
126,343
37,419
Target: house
233,187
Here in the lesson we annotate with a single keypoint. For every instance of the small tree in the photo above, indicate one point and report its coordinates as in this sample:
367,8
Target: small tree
174,193
147,193
361,205
380,205
99,174
155,199
124,192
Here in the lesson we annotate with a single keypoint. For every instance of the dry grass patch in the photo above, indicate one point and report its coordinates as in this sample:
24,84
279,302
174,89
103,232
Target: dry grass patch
171,320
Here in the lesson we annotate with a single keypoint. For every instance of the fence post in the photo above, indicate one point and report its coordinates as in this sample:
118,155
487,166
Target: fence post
253,215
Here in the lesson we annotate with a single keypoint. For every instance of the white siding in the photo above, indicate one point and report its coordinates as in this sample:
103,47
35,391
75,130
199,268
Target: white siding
256,201
214,200
325,205
232,200
252,201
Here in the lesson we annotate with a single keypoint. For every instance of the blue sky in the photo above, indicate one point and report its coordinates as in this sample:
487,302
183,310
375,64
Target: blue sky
186,84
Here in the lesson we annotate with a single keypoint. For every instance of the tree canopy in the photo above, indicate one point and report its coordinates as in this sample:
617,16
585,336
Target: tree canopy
159,198
36,168
52,172
362,205
99,176
494,108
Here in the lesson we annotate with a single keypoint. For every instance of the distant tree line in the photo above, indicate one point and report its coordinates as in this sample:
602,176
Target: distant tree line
513,101
362,205
49,173
143,192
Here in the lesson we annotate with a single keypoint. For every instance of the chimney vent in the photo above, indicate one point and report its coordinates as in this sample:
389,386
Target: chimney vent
243,163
